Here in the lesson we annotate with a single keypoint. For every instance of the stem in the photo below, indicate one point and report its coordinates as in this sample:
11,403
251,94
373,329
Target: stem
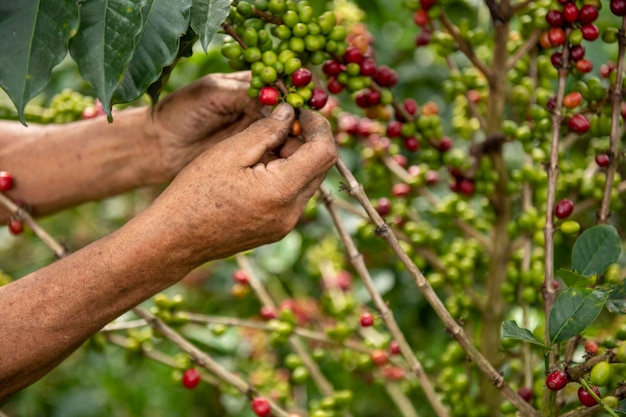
523,50
616,101
387,316
204,360
464,46
59,250
595,396
296,343
356,190
400,399
552,168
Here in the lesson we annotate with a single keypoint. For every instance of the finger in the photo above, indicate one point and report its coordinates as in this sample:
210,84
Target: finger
243,76
289,147
316,155
263,136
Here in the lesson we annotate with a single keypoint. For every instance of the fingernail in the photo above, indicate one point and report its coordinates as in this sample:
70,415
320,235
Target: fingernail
282,112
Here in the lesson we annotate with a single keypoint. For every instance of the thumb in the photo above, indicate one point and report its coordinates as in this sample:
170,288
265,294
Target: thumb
264,135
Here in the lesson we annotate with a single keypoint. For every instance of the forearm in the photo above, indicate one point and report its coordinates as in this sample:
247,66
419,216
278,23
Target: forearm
46,315
59,166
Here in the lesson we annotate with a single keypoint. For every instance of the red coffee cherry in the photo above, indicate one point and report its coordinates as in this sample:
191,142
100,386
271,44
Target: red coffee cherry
591,347
367,319
579,123
564,208
587,14
570,12
261,407
590,32
411,144
603,160
6,181
525,392
191,378
394,348
267,313
555,18
301,77
585,397
319,98
368,67
269,95
618,7
557,380
331,68
401,190
240,277
383,206
379,357
16,226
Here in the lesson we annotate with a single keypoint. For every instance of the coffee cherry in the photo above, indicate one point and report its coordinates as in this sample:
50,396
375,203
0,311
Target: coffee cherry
431,177
591,347
334,86
584,66
331,68
618,7
318,99
579,123
556,59
423,38
353,55
420,18
368,67
555,18
572,100
16,226
191,378
261,407
367,319
600,374
445,144
301,77
379,357
362,99
427,4
269,95
577,52
267,313
557,380
386,77
603,160
394,347
401,190
556,36
585,397
6,181
588,14
394,129
383,206
564,208
240,276
570,12
526,393
410,105
411,144
466,187
590,32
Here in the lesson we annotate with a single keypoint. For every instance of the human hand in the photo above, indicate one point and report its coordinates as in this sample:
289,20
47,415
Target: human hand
248,190
194,118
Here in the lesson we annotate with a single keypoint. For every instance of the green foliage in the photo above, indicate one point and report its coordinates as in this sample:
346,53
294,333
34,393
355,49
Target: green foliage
596,249
575,309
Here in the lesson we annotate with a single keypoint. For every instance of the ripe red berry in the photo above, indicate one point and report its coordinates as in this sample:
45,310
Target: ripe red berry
410,105
578,123
15,226
411,144
400,160
423,38
431,177
331,68
445,144
334,86
570,12
556,36
379,357
368,67
603,160
394,347
572,100
585,397
362,99
466,187
344,280
301,77
240,277
584,66
587,14
383,206
555,18
386,77
557,380
267,313
564,208
269,95
401,189
577,52
427,4
618,7
590,32
261,407
556,59
319,98
526,393
6,181
191,378
591,347
420,18
353,54
394,129
367,319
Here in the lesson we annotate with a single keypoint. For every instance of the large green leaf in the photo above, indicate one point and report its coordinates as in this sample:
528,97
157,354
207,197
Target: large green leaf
574,310
206,18
33,39
164,22
572,279
596,249
105,43
510,330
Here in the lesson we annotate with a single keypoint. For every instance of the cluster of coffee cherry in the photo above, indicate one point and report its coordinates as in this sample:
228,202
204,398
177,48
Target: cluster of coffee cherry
16,226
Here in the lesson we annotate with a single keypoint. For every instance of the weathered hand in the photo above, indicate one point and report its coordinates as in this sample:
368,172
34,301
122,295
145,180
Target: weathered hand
194,118
234,197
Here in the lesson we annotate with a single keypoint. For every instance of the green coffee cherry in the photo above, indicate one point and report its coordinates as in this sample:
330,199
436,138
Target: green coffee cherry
250,37
570,227
282,32
269,57
252,54
244,9
277,7
295,100
300,30
269,75
292,65
338,34
291,18
601,373
231,50
297,45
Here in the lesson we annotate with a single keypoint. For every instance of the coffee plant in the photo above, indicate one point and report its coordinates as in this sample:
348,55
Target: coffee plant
463,259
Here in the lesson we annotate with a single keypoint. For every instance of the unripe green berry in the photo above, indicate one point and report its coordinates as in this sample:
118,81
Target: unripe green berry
257,82
232,50
250,37
282,32
286,55
317,57
327,22
257,68
261,5
269,75
313,28
291,18
305,93
306,14
295,100
292,65
244,8
254,23
300,30
252,54
296,45
312,43
269,58
353,69
338,34
253,92
277,7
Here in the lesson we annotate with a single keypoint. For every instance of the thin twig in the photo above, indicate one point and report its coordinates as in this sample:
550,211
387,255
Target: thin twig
387,316
616,102
356,190
523,50
464,46
206,361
